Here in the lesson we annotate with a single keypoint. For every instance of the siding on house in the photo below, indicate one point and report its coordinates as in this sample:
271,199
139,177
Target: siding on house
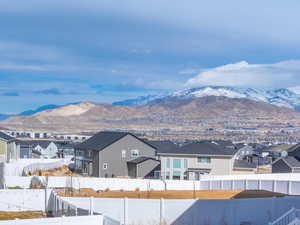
3,150
112,156
218,165
146,168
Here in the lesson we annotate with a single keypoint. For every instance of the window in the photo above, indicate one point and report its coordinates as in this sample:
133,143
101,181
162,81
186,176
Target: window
204,160
185,163
134,153
105,166
123,154
176,175
168,163
176,163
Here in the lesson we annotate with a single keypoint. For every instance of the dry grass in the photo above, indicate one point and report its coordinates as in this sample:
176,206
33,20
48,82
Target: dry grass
21,215
205,194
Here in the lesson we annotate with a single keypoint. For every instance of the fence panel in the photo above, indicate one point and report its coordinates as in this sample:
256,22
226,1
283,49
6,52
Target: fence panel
227,184
295,187
253,185
282,187
239,184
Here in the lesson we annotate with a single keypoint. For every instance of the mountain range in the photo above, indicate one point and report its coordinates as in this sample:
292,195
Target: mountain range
283,97
190,109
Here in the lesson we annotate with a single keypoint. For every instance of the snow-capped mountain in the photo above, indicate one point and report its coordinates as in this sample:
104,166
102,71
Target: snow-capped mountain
284,97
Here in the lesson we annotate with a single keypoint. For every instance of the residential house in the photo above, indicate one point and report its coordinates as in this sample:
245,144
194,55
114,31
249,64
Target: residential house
26,149
65,149
116,154
7,148
205,157
287,164
37,149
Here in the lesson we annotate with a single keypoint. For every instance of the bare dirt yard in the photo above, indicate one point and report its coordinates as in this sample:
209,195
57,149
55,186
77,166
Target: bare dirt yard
206,194
21,215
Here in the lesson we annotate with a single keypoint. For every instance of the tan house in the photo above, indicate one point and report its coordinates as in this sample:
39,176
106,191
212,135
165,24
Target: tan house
206,157
7,148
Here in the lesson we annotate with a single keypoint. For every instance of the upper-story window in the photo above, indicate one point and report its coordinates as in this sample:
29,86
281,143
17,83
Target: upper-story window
168,163
185,163
204,160
123,154
176,163
135,153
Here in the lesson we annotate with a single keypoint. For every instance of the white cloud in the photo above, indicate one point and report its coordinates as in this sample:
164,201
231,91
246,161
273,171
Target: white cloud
243,74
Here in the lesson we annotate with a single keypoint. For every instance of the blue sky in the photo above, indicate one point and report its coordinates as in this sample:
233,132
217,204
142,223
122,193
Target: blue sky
58,51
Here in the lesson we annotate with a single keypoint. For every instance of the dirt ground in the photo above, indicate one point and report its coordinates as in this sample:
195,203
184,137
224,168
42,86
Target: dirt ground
61,171
21,215
206,194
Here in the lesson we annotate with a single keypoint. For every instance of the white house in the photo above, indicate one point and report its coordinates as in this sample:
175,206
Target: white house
206,157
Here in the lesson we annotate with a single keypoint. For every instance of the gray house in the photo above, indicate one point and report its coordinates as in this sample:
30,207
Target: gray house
116,154
287,164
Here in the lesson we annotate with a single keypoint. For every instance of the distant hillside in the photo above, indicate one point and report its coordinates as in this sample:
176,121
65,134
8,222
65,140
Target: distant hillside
169,112
33,111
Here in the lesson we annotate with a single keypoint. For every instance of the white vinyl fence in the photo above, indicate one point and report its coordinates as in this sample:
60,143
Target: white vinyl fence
187,211
78,220
24,200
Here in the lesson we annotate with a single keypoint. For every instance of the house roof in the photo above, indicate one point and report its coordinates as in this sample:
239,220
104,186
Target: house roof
5,137
294,148
164,146
140,159
204,148
291,161
103,139
243,164
43,143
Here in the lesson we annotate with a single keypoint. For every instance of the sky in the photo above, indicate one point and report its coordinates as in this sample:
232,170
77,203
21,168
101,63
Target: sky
58,51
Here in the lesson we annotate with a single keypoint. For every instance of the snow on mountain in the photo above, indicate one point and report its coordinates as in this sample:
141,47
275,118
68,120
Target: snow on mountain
284,97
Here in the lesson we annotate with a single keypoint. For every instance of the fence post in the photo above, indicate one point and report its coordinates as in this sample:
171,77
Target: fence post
46,194
274,186
232,186
289,187
91,205
62,220
222,184
209,185
162,211
259,184
125,213
246,184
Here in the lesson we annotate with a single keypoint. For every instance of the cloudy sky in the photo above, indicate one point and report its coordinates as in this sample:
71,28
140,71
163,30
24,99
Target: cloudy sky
58,51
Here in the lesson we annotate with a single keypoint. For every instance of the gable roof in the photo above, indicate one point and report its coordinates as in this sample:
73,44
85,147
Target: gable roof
33,143
164,146
5,137
294,148
209,148
103,139
291,161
